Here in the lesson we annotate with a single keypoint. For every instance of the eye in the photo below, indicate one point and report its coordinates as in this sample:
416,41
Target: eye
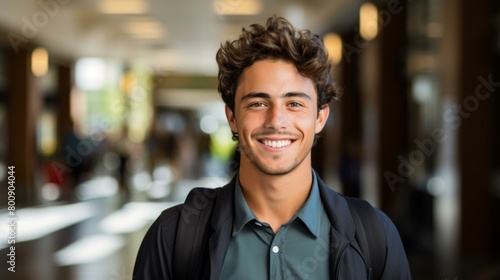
257,104
294,104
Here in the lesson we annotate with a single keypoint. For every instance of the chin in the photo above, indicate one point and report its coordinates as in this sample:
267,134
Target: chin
276,170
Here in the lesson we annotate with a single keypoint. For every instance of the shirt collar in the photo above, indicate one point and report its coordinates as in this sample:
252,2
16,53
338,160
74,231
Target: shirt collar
242,213
309,213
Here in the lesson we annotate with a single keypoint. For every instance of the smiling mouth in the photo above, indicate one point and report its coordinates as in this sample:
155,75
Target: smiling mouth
277,143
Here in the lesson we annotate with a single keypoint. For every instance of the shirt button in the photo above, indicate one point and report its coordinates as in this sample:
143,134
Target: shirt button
258,224
276,249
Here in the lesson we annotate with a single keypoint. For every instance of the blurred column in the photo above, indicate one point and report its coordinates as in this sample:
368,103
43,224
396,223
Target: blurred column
465,162
326,151
64,121
384,109
318,154
350,123
23,104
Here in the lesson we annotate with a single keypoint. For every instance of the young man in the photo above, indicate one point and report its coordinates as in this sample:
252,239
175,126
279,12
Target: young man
276,219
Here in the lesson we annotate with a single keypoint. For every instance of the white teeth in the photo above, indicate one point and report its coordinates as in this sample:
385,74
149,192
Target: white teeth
277,144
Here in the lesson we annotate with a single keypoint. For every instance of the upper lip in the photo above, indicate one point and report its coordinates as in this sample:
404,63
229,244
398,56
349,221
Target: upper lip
274,139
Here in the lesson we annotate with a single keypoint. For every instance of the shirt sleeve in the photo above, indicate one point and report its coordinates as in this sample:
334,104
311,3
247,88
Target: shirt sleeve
154,259
396,262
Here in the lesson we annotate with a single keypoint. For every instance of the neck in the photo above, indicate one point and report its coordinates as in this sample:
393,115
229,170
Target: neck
275,199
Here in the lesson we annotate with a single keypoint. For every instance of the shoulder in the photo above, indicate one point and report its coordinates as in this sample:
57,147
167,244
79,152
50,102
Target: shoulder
385,221
367,207
164,228
169,217
363,207
161,234
397,266
154,257
396,262
345,205
196,202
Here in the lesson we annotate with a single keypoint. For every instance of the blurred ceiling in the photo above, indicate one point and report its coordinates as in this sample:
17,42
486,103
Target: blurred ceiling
181,36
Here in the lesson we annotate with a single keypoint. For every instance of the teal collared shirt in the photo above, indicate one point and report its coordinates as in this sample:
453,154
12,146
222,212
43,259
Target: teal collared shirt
299,250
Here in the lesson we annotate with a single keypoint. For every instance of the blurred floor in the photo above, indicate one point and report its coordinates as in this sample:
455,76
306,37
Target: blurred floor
94,239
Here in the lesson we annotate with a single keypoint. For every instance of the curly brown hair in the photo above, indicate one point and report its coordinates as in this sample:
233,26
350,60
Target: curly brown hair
277,40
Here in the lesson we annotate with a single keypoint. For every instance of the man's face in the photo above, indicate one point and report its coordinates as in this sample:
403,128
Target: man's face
276,117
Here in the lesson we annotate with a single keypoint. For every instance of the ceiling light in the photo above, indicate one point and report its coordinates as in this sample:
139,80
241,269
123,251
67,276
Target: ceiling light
39,62
333,44
368,21
123,6
241,7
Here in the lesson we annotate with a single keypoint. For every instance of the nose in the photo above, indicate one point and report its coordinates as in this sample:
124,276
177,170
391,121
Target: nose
276,118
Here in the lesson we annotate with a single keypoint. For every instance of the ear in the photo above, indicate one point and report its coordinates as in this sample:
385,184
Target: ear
322,118
231,119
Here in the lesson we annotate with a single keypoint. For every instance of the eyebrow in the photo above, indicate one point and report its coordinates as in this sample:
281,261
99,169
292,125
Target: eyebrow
267,96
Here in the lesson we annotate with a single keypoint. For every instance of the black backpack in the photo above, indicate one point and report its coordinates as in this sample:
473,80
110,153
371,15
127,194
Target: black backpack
200,203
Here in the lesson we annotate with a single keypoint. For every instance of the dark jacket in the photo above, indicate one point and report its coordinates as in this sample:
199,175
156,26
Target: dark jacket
154,260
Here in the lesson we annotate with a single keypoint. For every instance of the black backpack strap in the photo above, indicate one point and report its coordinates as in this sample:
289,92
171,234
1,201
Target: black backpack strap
370,236
191,251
